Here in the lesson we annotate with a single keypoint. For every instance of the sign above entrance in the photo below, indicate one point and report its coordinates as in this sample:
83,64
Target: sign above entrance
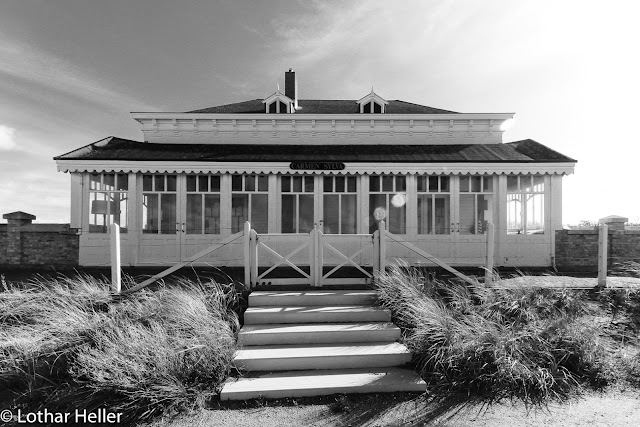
334,166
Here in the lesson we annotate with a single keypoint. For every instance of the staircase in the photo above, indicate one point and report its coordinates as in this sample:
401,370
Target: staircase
312,343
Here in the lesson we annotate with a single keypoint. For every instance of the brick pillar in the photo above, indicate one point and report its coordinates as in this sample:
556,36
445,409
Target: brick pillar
15,220
614,222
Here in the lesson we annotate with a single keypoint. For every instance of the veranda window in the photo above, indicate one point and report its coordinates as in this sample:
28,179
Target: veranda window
159,204
340,204
203,204
297,203
249,202
434,201
476,197
108,196
387,201
525,204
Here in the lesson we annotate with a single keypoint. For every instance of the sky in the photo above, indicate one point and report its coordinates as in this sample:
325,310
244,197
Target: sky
71,71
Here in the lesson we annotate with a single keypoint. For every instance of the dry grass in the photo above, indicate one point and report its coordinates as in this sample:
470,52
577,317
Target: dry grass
69,343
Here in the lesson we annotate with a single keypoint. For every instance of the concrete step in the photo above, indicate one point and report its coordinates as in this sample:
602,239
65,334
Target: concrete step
322,383
316,314
321,356
316,333
311,298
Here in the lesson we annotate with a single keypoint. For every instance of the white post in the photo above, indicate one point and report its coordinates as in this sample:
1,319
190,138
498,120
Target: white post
313,266
116,276
254,258
602,254
247,254
382,246
319,259
488,274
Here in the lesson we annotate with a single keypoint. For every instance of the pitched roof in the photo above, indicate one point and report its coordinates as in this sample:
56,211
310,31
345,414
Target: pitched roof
113,148
322,106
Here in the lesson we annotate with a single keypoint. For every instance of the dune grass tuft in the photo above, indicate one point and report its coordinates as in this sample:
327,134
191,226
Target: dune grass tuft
69,343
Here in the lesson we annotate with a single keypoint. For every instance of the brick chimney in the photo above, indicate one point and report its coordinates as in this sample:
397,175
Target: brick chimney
291,86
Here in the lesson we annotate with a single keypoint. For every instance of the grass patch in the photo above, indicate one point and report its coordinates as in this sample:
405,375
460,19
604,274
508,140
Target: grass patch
531,344
69,343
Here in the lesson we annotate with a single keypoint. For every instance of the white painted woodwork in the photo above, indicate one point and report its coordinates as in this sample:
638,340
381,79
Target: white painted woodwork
317,333
603,235
321,383
316,314
116,271
321,356
77,201
312,297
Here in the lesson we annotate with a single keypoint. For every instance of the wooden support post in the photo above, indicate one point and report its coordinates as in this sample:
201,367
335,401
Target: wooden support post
602,254
116,275
383,246
376,252
313,266
247,254
254,258
488,273
319,259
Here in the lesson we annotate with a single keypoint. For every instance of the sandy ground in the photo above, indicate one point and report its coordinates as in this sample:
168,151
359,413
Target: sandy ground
610,409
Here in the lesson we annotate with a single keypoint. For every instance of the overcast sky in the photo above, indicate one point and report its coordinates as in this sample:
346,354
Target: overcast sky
71,71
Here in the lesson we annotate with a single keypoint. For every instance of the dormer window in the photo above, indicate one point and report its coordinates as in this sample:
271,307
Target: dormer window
372,103
278,103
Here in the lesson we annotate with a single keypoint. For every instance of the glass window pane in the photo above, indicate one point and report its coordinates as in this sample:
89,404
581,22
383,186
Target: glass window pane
348,214
476,184
308,184
236,183
464,184
203,183
250,183
288,214
98,213
339,184
171,182
150,217
535,214
305,220
374,183
422,183
444,184
120,210
433,184
260,213
123,182
377,210
327,184
487,184
401,183
441,214
387,183
331,214
512,184
191,183
215,183
263,183
285,184
212,214
398,218
194,214
147,183
467,214
109,181
538,183
297,184
514,213
168,214
158,182
239,212
351,184
424,214
95,182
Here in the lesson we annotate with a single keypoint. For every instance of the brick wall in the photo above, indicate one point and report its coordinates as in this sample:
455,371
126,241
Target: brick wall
24,244
578,249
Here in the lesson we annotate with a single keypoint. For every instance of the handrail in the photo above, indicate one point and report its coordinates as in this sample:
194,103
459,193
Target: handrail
191,259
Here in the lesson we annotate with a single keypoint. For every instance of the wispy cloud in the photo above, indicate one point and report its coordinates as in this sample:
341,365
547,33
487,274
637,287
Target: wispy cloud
7,138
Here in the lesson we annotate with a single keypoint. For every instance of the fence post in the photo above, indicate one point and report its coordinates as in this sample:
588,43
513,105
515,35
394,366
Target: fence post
382,246
254,258
247,254
116,275
488,273
603,235
313,266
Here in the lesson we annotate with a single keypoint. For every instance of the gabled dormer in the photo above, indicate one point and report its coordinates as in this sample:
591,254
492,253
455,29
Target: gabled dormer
372,103
278,103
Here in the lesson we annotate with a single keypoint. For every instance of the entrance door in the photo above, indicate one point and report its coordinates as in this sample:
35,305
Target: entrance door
161,219
298,195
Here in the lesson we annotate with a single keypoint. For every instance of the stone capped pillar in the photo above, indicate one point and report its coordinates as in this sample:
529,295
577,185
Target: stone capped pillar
15,220
614,222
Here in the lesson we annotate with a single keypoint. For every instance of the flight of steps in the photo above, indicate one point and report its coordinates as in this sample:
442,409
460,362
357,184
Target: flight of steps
312,343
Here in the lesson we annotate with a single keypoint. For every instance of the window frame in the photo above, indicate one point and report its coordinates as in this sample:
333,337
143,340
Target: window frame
426,193
252,194
522,195
482,192
109,197
389,195
292,191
